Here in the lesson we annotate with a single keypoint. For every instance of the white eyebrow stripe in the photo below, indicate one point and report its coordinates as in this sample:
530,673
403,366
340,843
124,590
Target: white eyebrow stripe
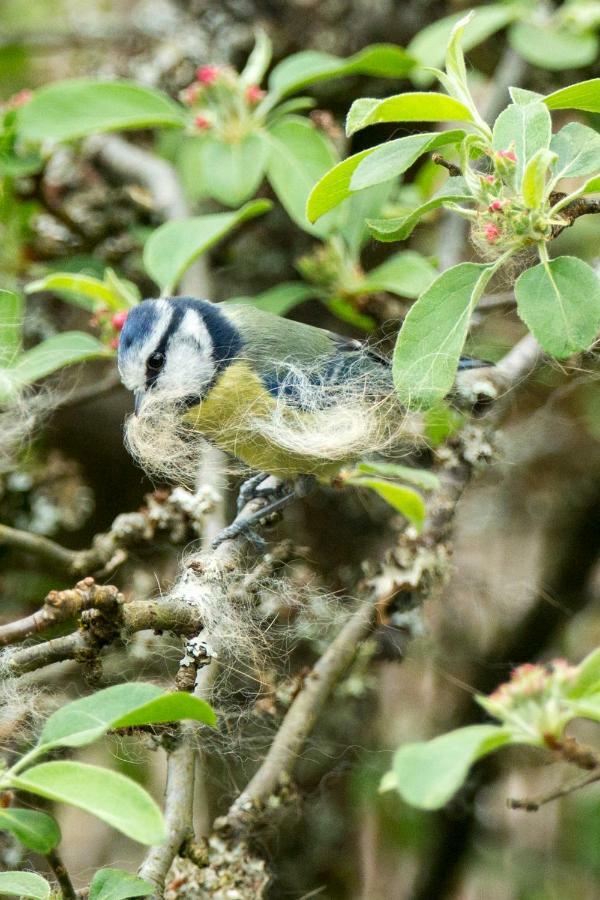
193,325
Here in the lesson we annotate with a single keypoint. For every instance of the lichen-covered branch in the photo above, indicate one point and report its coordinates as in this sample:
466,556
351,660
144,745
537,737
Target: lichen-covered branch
175,516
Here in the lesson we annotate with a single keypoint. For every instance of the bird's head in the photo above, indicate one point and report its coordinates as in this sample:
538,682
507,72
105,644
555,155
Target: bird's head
175,347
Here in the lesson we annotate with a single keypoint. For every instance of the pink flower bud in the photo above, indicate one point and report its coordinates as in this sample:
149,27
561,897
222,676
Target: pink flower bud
254,93
202,123
496,206
191,94
207,74
492,232
507,154
118,320
20,99
490,179
113,343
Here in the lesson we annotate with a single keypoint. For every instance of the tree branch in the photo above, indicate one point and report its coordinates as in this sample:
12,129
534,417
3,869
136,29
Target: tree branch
532,805
62,876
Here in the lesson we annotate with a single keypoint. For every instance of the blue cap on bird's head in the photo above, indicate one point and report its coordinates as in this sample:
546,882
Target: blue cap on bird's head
175,346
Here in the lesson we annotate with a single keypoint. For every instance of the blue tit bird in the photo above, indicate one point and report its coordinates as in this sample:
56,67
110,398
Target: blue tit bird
285,398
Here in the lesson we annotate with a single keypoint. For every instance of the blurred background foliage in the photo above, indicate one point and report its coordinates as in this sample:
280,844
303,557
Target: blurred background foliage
526,575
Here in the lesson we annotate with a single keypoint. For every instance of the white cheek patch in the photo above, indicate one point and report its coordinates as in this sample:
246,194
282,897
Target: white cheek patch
189,365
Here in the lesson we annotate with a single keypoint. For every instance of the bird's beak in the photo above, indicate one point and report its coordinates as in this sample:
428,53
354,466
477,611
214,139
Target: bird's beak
138,398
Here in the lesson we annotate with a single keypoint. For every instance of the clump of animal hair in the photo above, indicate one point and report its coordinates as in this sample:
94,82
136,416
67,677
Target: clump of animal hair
340,421
164,445
20,416
314,415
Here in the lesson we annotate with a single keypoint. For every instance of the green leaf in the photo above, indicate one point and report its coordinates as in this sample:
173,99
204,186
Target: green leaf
588,676
552,45
395,157
110,796
429,44
54,353
442,421
587,708
137,703
592,186
300,155
302,69
527,128
278,300
422,478
173,247
83,290
455,57
559,301
415,107
346,312
433,334
334,186
356,209
24,884
398,229
406,273
11,320
117,884
36,830
233,171
524,97
75,108
534,186
259,60
406,500
428,774
583,95
578,150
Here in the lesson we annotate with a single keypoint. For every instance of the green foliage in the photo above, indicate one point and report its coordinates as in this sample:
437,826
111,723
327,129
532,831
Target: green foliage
19,369
73,109
88,292
509,175
432,337
173,247
36,830
110,796
383,478
534,708
310,66
429,773
561,38
559,301
116,884
24,884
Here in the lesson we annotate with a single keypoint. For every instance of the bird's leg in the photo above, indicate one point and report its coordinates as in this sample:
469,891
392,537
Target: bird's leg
248,489
246,524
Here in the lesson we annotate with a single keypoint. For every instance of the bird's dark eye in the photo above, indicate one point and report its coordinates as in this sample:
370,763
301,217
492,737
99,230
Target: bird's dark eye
156,361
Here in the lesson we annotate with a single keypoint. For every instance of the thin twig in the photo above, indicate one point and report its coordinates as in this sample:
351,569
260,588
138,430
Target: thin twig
179,810
532,805
62,876
439,160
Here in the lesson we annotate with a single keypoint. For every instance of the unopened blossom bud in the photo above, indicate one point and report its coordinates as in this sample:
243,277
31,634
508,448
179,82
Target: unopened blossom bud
118,320
191,93
20,99
202,123
207,74
496,206
507,154
254,94
491,179
492,232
